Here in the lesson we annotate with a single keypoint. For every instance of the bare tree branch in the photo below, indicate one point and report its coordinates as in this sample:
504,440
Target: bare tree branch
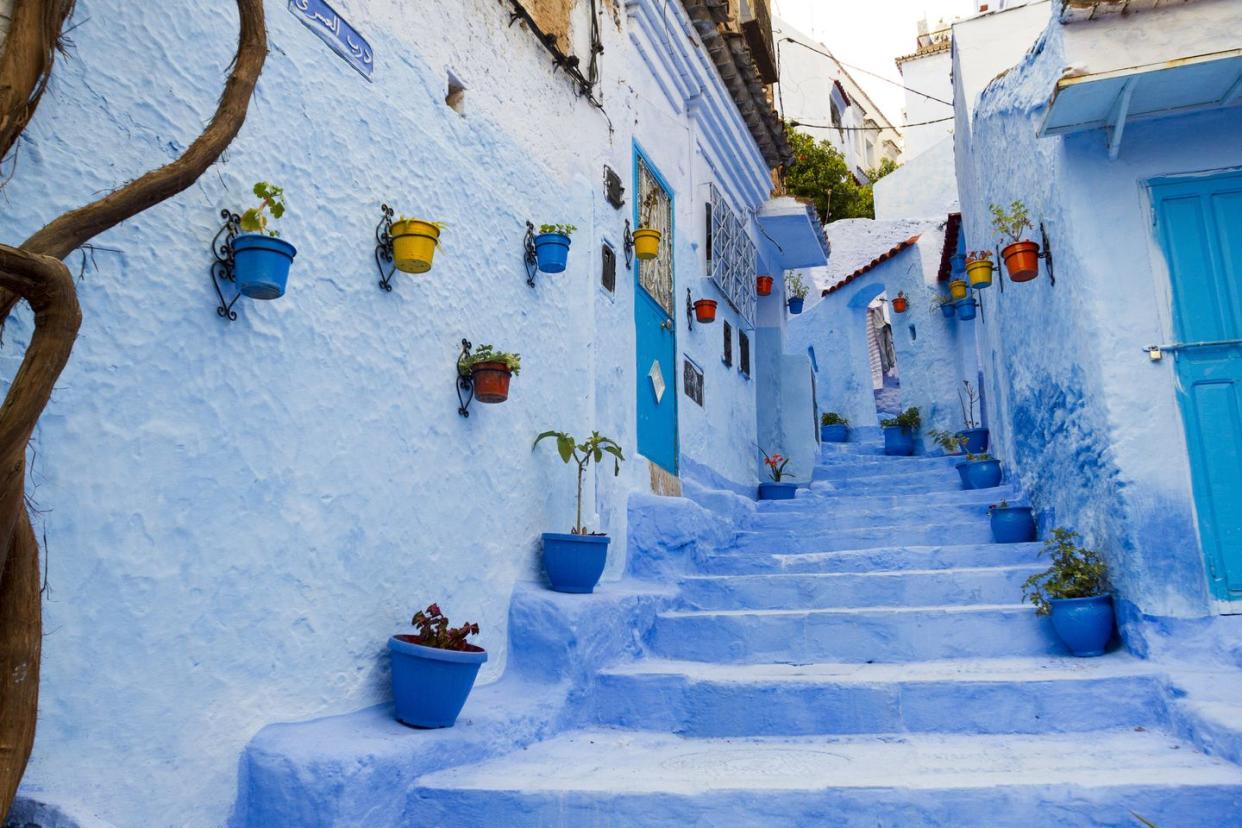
26,63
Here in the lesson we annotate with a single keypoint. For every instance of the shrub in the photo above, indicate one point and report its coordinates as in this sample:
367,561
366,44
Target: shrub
1076,572
833,418
910,418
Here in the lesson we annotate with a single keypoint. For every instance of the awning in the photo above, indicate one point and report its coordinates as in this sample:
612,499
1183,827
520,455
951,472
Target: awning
795,230
1115,98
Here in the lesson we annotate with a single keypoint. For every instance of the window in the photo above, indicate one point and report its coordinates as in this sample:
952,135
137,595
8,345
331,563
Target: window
608,273
728,344
732,257
836,114
655,204
743,353
692,381
708,245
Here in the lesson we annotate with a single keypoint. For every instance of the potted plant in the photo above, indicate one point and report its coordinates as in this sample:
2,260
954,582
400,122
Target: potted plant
966,309
705,311
976,437
575,561
433,671
958,289
797,292
763,285
980,471
1021,256
943,303
414,243
979,268
490,371
1074,591
552,247
899,432
900,302
776,489
957,262
1011,524
833,428
261,260
646,237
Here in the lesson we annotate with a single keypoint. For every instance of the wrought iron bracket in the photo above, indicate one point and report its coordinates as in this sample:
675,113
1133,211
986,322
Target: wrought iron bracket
384,259
465,382
689,310
529,257
1046,254
628,243
222,267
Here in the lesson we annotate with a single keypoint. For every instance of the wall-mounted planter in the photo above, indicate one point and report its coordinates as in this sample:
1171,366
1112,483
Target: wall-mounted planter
491,382
414,244
957,262
900,303
948,310
836,433
1012,524
552,252
980,274
485,380
980,474
430,685
574,563
1084,624
958,289
777,491
763,285
898,441
1022,261
795,305
261,265
646,243
705,311
976,440
966,309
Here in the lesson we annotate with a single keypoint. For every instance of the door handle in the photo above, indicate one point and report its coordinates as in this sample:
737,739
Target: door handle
666,325
1156,352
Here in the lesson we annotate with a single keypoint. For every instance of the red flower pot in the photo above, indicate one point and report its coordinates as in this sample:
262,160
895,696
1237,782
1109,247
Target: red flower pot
763,285
900,304
491,381
1022,261
705,310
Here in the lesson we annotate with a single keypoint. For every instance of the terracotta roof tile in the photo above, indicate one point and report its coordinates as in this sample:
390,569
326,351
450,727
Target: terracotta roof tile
878,260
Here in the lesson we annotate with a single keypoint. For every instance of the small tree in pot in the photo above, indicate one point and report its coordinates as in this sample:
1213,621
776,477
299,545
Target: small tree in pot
574,562
434,671
797,292
900,431
1021,256
1074,591
976,437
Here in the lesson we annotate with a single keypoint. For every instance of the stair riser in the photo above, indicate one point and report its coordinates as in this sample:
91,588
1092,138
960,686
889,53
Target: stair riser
819,501
835,517
871,560
805,592
836,470
1066,806
677,704
909,485
871,636
915,534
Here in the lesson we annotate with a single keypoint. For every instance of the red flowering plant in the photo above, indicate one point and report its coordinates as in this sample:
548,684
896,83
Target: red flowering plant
776,466
434,631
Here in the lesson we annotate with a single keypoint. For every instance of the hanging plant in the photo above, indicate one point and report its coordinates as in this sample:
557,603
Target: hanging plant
414,243
705,311
646,237
552,246
979,268
763,285
1021,256
261,260
797,292
900,303
490,371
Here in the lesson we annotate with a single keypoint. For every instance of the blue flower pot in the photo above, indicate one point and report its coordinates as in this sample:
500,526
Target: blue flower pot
552,252
961,472
1013,524
834,433
430,685
948,310
898,441
261,265
982,474
1084,624
574,562
795,305
976,440
958,262
965,309
777,491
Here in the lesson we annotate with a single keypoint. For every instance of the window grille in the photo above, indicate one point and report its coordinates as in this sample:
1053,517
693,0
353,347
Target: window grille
728,344
692,381
732,258
743,355
608,273
656,275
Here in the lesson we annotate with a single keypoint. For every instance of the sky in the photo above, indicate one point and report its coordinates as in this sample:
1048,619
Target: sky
870,34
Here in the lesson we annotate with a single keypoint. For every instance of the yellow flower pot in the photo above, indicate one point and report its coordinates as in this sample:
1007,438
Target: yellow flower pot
958,289
414,244
979,273
646,243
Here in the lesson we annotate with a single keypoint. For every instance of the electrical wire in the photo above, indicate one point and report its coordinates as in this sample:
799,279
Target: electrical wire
804,45
866,128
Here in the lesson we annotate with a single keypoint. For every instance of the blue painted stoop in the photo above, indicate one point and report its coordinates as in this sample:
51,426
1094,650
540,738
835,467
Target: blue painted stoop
858,656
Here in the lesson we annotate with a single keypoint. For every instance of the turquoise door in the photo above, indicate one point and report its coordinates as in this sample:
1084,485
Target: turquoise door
1199,222
656,331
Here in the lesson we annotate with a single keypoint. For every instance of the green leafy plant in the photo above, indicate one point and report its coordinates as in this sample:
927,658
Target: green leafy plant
975,458
1010,223
486,353
909,419
978,256
820,174
833,418
797,287
563,229
969,399
439,225
272,200
950,442
776,466
592,449
434,631
1076,572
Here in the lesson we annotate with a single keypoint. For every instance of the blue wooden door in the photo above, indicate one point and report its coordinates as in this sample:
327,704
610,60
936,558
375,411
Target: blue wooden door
1199,222
656,331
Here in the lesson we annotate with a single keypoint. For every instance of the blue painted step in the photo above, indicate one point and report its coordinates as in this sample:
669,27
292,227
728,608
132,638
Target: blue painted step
1049,695
909,534
834,517
820,500
910,466
865,560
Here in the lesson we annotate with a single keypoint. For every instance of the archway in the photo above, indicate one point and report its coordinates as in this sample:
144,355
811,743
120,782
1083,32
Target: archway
871,305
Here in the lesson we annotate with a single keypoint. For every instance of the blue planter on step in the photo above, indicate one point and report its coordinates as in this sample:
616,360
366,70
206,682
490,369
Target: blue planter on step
961,472
261,265
795,305
898,441
834,433
965,309
981,474
777,491
1013,524
976,440
552,252
1084,624
574,562
430,685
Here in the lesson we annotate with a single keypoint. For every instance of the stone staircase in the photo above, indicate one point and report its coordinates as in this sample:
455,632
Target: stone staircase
859,656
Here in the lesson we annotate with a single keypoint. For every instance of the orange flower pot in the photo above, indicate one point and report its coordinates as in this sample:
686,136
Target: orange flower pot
763,285
1022,261
900,304
705,311
491,381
